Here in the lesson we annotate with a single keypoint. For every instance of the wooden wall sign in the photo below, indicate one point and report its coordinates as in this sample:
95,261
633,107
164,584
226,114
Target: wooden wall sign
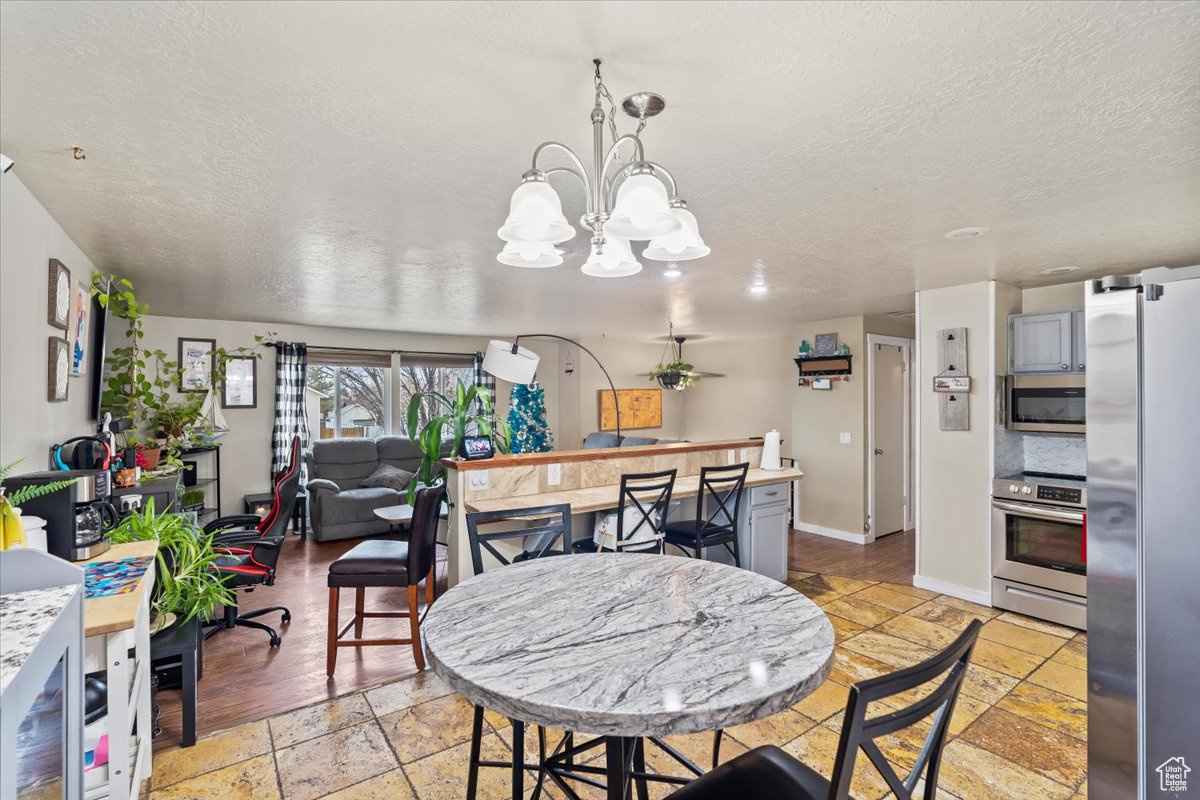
954,406
640,408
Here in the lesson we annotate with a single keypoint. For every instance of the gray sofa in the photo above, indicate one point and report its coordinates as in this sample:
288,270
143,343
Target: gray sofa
597,440
340,506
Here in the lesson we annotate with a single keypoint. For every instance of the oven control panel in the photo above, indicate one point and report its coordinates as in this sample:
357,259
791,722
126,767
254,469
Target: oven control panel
1059,494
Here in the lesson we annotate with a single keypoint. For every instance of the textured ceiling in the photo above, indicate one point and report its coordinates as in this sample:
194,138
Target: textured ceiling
349,164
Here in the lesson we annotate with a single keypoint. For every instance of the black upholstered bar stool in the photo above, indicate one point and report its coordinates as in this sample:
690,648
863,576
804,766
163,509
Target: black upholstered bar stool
386,563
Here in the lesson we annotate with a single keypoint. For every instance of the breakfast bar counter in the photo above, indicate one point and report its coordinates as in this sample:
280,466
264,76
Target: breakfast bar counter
589,481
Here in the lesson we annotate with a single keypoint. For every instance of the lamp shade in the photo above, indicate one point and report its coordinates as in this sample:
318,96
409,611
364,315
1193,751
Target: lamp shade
683,245
501,362
616,261
535,215
530,254
641,210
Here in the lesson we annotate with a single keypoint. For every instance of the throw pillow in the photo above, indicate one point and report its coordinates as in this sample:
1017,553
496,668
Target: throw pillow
389,477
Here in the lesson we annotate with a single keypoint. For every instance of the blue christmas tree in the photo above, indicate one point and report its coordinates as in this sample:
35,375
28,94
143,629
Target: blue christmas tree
527,418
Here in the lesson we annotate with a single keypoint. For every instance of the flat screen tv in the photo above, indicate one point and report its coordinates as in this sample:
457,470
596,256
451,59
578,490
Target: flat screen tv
99,356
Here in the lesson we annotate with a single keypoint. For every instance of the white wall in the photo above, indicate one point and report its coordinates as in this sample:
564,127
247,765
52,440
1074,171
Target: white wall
955,467
1063,297
29,238
753,397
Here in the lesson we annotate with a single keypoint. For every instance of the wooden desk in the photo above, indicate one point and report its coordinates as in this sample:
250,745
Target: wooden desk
113,626
600,498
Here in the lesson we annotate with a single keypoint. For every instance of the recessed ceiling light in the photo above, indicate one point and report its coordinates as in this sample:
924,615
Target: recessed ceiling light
758,288
672,271
1056,270
759,269
968,233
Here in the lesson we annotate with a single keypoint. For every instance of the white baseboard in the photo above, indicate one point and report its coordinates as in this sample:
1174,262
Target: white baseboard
953,589
832,533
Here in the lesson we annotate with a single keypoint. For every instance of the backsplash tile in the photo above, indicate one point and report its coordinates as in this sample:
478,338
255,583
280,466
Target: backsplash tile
1010,452
1065,455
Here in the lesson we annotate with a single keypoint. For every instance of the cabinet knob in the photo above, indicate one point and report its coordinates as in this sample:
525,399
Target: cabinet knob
1064,366
1080,366
878,452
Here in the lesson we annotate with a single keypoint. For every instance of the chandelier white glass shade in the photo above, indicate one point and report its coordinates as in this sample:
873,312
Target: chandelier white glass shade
530,254
684,244
630,200
616,260
510,362
535,215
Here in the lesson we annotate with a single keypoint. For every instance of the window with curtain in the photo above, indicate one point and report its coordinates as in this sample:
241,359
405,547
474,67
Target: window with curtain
354,392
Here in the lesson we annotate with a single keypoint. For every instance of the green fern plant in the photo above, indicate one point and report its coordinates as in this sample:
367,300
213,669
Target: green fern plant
469,411
27,493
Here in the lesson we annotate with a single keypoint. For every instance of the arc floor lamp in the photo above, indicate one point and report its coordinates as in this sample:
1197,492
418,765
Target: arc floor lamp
510,362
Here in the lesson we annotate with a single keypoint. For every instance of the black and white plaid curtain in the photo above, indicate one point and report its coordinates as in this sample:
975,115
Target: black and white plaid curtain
291,378
484,379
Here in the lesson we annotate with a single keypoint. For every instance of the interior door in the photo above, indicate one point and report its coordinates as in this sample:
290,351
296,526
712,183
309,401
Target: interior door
888,455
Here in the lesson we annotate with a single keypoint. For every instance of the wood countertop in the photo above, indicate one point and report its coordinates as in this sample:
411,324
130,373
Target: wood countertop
599,498
118,612
597,454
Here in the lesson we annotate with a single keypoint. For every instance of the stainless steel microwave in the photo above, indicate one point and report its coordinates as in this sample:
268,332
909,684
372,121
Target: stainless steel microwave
1047,403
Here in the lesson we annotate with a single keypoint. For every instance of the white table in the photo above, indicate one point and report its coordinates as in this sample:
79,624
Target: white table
402,514
628,645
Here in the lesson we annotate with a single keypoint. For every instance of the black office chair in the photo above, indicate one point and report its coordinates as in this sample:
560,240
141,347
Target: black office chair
717,510
249,548
648,494
768,773
552,525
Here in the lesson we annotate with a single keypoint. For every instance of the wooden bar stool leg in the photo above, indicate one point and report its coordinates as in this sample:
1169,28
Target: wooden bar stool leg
359,594
331,640
415,624
430,586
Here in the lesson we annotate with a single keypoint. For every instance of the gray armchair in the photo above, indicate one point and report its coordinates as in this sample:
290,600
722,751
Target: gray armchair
341,507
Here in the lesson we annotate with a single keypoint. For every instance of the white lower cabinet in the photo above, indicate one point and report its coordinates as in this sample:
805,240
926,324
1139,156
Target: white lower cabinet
767,537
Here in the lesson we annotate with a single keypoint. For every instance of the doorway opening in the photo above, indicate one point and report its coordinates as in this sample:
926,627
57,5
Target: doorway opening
890,405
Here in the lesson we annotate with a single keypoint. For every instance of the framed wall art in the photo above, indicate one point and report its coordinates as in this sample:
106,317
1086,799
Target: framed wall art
825,344
241,383
58,368
58,295
196,364
640,408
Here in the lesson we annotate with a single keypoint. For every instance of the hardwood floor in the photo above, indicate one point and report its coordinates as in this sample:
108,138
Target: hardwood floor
891,558
245,679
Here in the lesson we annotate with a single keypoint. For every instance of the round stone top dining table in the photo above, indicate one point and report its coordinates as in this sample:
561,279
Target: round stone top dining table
627,645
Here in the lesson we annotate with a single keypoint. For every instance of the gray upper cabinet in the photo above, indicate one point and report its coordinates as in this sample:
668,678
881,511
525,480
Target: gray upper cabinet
1079,341
1040,343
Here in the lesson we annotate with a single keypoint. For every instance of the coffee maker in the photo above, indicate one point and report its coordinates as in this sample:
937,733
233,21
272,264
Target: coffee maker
79,517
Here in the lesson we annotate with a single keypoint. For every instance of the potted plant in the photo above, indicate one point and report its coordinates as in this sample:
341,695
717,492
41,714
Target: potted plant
186,586
468,413
676,375
192,500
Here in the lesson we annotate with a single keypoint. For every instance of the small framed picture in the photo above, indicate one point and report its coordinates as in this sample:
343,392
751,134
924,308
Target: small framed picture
81,310
958,383
58,295
822,383
825,344
58,367
241,379
196,364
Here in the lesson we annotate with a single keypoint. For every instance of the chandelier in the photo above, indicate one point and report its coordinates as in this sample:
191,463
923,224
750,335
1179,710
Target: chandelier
627,201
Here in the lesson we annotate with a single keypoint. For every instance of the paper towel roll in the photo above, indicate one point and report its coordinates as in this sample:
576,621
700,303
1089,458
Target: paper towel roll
770,456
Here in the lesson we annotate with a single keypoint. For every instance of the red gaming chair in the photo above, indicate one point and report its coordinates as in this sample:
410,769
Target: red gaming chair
250,546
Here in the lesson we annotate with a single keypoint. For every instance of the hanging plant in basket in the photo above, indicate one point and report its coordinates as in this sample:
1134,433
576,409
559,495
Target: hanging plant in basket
675,376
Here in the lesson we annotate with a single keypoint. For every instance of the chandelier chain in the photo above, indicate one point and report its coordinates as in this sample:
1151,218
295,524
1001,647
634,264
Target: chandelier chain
602,91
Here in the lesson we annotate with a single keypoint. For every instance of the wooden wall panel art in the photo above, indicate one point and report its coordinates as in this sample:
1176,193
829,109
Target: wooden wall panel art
640,408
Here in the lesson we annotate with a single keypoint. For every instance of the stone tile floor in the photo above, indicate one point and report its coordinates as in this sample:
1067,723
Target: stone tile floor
1019,729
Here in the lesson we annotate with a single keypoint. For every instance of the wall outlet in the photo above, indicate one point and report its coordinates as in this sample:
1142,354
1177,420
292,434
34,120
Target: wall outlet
553,474
845,437
478,479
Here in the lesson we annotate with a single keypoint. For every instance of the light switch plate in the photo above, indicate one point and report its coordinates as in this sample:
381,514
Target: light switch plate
845,437
478,479
553,474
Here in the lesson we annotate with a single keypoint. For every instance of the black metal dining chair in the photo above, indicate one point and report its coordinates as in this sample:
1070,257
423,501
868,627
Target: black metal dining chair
768,772
647,496
549,535
717,509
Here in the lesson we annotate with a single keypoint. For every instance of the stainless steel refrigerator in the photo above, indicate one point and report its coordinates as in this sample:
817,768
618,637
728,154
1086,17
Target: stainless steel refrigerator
1143,535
